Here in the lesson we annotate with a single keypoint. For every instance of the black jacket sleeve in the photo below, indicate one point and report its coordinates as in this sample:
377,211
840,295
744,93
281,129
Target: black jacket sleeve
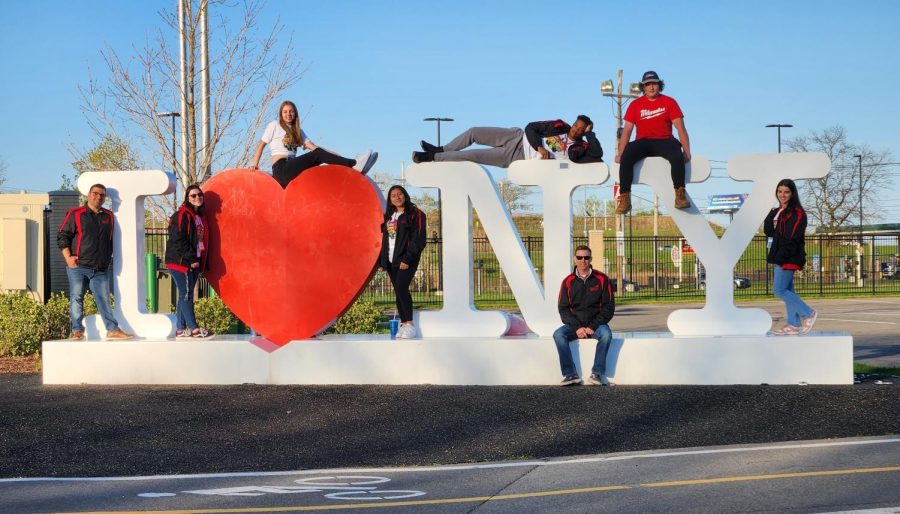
769,224
588,150
537,130
66,231
607,307
565,314
416,237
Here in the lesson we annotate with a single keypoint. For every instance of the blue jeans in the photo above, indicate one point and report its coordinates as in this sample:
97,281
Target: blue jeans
184,308
565,334
98,282
783,287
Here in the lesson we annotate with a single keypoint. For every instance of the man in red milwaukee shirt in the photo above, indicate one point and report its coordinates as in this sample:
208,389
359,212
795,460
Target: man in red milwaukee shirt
653,114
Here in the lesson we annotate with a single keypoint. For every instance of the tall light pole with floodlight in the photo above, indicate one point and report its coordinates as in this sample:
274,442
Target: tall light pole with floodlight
620,99
779,126
173,115
438,120
859,159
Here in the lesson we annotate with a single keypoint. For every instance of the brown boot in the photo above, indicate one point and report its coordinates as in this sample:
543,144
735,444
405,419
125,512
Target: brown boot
681,201
623,204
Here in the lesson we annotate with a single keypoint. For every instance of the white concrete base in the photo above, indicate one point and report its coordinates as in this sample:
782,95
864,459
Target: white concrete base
634,358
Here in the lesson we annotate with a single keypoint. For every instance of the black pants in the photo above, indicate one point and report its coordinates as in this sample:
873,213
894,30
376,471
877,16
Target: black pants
288,169
668,149
401,279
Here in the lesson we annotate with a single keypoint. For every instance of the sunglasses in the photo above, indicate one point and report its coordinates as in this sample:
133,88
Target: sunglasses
196,195
583,257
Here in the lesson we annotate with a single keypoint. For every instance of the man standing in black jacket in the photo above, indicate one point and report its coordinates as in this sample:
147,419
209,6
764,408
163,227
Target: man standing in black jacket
85,239
540,140
586,304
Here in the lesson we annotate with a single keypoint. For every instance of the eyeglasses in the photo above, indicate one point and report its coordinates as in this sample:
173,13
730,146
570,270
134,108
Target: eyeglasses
583,257
196,195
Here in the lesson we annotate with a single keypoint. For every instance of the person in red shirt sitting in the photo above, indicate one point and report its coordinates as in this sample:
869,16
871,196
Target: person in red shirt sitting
653,114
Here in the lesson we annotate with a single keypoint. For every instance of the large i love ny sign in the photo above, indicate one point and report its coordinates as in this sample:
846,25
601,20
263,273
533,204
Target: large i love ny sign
288,262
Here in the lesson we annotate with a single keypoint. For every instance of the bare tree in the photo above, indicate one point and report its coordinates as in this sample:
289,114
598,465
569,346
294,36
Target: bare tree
3,167
833,201
514,196
426,202
248,73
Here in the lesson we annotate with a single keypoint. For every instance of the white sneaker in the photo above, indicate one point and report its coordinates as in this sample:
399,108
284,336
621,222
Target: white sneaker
365,161
406,331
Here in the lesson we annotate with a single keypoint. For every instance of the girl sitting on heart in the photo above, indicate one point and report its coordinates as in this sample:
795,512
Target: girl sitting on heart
284,136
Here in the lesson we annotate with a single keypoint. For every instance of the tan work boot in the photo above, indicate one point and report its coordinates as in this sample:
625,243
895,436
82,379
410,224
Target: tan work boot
681,201
623,203
119,335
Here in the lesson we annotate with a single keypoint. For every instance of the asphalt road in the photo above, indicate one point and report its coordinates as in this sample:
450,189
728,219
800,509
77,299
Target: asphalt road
813,476
874,323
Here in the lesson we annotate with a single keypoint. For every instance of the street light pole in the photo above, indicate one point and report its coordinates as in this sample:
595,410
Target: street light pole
779,126
438,120
172,115
859,158
620,99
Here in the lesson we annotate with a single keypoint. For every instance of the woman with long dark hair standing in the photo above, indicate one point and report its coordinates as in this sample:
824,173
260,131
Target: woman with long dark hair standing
186,258
284,137
786,227
403,239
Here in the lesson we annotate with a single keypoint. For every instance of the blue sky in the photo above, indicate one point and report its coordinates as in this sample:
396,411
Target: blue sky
377,68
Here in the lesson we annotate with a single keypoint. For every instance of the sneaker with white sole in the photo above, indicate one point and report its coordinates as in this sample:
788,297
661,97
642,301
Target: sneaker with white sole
201,333
365,161
183,334
786,330
807,323
569,380
406,331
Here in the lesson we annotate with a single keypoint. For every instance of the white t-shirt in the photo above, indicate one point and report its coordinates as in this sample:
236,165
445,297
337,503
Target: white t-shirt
392,235
557,146
274,135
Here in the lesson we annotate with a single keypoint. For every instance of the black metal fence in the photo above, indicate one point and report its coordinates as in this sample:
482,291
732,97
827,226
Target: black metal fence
836,265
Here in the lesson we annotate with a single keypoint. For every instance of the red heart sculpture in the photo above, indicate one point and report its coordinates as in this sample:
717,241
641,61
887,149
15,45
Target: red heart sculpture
288,262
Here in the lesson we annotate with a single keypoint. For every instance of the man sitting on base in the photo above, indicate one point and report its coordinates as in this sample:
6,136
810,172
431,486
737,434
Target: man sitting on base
653,114
540,140
586,304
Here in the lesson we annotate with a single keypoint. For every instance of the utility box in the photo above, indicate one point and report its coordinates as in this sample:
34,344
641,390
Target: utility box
60,203
22,243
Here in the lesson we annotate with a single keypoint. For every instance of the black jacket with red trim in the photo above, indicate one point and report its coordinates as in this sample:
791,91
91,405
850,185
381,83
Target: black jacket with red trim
181,248
582,151
788,237
586,303
410,240
88,235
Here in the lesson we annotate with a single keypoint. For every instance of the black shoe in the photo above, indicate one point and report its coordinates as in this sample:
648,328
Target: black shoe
428,147
571,380
423,156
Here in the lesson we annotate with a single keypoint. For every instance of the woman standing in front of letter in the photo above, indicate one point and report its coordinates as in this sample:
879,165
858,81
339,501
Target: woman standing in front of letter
786,227
185,258
403,239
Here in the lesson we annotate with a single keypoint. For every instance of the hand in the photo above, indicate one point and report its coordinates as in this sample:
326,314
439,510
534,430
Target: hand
589,331
72,261
590,128
618,158
687,156
255,167
544,153
195,265
309,145
380,269
404,265
580,333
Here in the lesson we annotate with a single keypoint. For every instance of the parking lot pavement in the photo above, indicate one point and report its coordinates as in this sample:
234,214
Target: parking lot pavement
874,322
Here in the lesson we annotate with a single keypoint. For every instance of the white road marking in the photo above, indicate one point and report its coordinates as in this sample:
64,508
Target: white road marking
465,467
859,321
